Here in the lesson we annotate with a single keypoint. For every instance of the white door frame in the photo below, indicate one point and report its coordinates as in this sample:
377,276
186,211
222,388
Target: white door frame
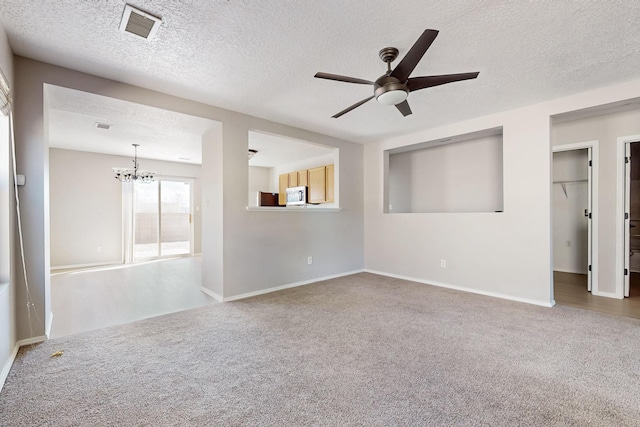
621,223
174,178
128,225
593,148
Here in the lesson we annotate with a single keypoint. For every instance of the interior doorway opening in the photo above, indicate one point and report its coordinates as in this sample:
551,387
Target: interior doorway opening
574,204
631,288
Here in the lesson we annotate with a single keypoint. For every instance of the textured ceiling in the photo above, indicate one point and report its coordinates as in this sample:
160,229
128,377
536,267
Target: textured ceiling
259,57
161,134
274,150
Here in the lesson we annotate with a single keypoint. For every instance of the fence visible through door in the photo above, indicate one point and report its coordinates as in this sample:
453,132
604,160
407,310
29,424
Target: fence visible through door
161,219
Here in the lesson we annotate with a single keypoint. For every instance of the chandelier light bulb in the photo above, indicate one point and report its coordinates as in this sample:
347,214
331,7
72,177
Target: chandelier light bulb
129,175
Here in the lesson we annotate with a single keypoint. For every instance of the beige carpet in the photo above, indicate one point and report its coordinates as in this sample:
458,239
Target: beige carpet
362,350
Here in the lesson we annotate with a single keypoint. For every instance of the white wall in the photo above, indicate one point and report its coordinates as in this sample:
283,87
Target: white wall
605,129
259,181
7,273
570,226
506,254
212,181
86,205
243,251
270,248
7,324
459,177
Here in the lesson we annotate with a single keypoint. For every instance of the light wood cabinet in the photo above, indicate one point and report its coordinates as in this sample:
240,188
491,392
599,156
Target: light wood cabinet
320,183
293,179
329,183
303,177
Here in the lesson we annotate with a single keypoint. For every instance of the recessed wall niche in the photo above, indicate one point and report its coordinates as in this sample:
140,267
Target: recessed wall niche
462,173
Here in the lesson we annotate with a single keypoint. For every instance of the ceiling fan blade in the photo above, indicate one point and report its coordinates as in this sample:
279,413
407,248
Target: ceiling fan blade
354,106
417,83
404,108
342,78
405,67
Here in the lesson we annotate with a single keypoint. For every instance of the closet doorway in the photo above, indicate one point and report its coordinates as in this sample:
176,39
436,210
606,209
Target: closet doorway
574,197
632,220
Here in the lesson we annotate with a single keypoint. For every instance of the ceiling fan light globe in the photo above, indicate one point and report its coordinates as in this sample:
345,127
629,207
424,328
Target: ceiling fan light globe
392,97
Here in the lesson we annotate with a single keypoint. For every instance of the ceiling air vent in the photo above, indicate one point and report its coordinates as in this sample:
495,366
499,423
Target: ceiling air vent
135,21
105,126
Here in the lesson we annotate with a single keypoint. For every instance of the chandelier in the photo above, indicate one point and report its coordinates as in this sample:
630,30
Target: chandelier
129,175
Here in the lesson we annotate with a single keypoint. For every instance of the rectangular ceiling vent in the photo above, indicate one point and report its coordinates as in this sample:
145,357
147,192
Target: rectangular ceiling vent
105,126
138,22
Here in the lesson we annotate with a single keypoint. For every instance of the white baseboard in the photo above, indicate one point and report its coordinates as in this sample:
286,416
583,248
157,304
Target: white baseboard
47,330
290,285
465,289
33,340
9,363
7,366
607,294
211,293
87,265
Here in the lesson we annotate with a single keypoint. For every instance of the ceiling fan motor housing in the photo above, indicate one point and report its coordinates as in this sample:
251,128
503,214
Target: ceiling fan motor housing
389,90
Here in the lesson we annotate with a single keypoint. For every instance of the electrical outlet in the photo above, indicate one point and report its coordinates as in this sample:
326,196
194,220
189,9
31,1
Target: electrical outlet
310,260
443,263
568,243
99,249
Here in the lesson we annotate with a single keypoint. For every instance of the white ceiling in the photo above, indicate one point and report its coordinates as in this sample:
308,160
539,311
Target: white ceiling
259,57
161,134
274,150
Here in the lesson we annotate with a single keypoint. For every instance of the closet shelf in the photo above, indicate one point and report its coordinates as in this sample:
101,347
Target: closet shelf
564,184
571,181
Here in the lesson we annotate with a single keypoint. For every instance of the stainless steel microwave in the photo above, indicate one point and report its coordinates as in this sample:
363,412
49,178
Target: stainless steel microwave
297,196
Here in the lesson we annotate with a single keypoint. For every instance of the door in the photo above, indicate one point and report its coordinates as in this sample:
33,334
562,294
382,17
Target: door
632,218
588,214
175,218
145,220
574,211
161,219
627,217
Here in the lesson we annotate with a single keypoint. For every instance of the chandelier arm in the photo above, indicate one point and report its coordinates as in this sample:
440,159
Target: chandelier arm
129,175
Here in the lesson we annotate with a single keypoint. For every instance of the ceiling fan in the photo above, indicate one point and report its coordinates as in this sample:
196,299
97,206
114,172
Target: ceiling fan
393,87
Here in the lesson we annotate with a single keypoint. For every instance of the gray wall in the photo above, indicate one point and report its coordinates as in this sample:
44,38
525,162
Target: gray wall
243,251
606,129
459,177
86,205
7,274
505,254
268,249
259,181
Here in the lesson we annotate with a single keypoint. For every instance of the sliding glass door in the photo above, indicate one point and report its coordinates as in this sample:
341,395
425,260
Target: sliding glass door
175,218
161,219
145,220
